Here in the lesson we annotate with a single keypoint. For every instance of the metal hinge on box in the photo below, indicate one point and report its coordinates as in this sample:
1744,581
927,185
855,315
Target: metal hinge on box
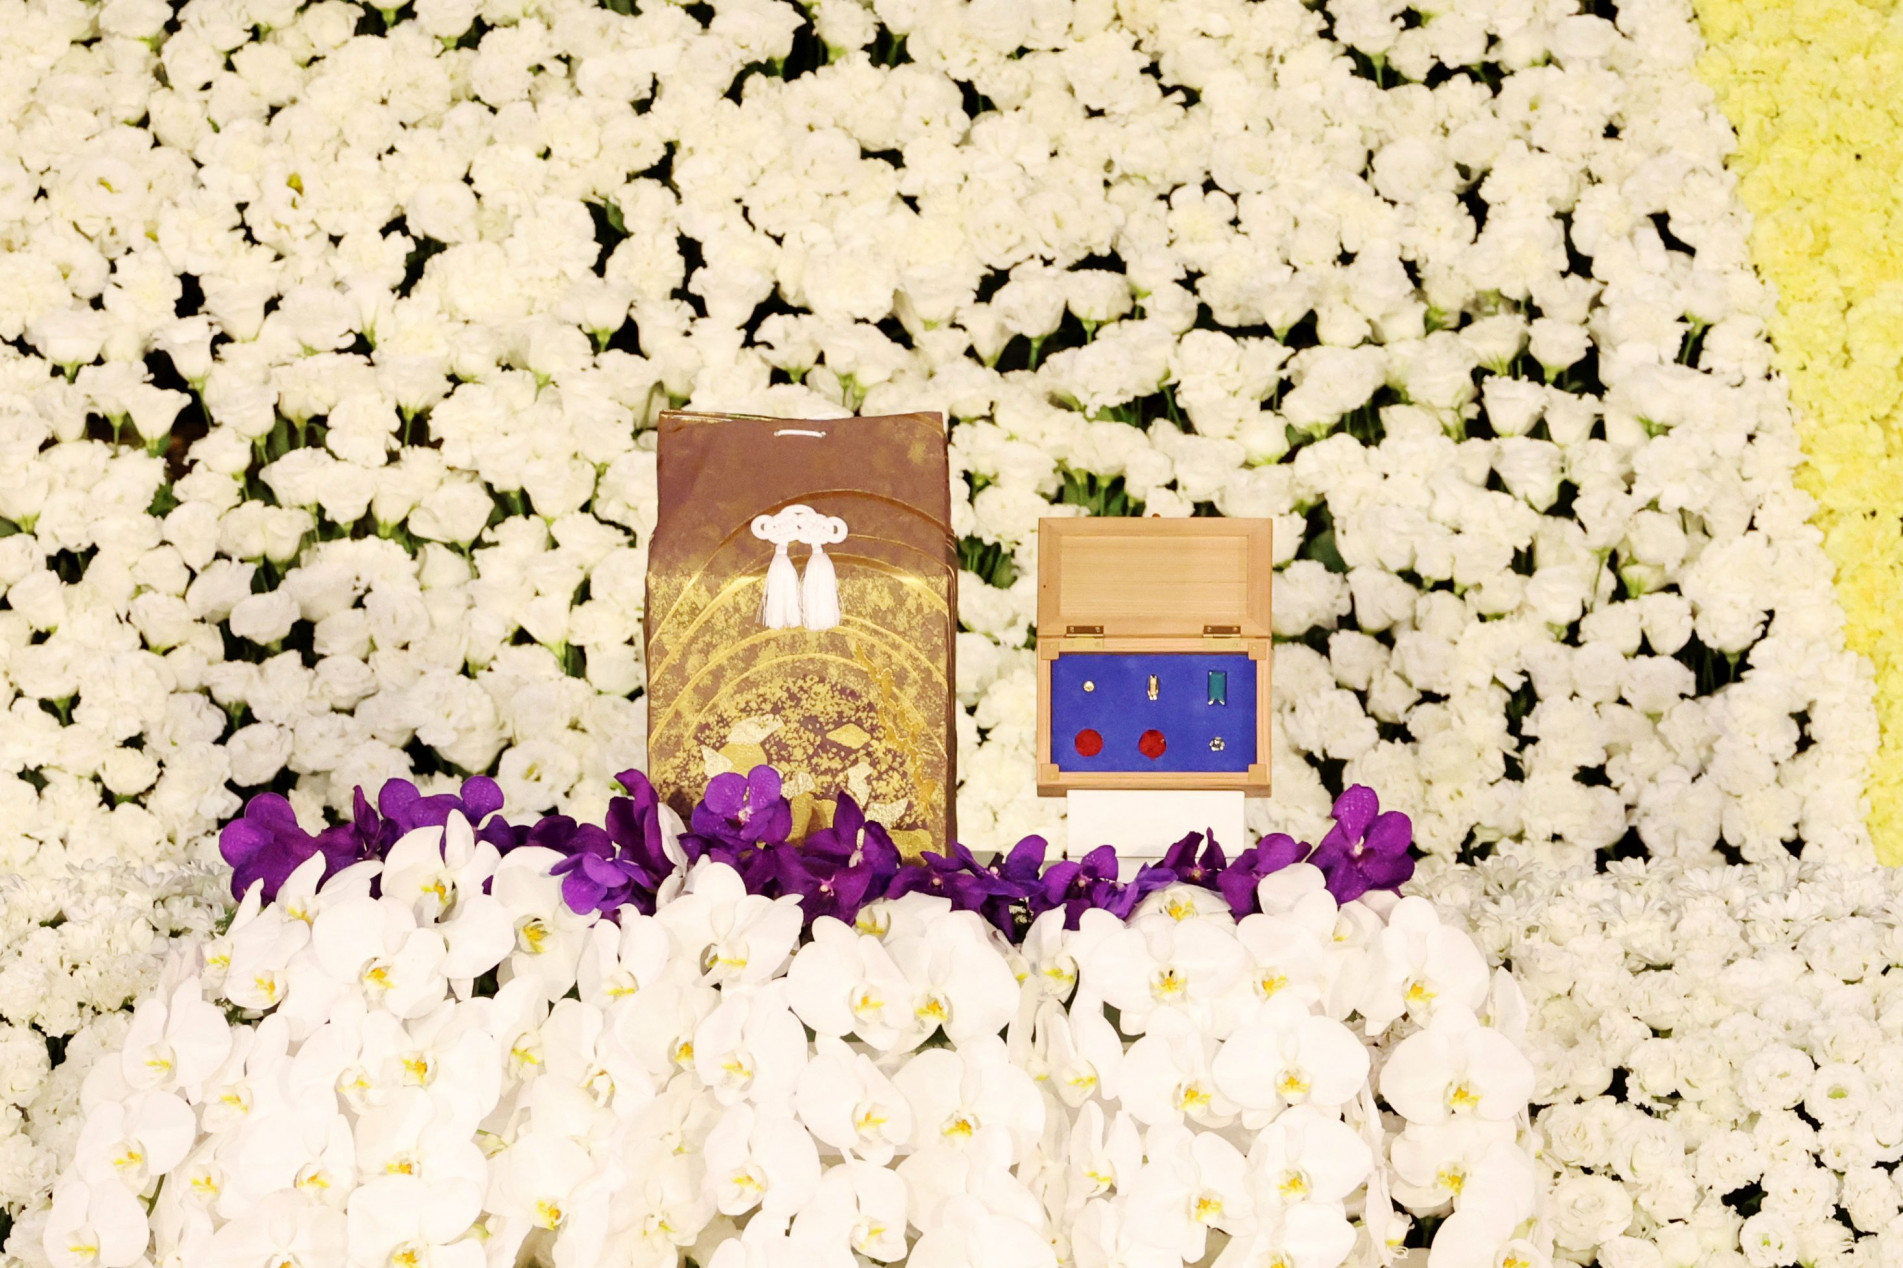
1222,638
1084,635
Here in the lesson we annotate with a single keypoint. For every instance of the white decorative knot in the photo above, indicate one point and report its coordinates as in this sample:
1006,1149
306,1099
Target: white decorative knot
787,601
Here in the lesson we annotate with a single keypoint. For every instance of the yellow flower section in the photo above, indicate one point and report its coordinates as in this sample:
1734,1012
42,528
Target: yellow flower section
1815,91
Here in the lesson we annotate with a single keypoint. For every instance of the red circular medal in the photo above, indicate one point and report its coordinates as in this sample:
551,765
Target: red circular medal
1088,743
1151,744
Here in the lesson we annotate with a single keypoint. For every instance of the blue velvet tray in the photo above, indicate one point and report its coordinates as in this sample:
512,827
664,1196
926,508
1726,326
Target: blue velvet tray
1118,708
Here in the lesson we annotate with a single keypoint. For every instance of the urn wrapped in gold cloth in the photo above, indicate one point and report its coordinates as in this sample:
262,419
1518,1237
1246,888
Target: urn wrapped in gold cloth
801,613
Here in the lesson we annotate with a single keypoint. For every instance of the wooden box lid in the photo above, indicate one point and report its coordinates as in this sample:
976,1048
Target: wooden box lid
1154,576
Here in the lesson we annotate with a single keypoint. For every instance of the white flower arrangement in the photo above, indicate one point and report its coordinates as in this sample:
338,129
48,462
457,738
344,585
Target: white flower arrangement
1719,1054
432,1060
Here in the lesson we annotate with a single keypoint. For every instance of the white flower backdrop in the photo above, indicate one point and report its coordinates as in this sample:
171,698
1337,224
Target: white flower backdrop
333,336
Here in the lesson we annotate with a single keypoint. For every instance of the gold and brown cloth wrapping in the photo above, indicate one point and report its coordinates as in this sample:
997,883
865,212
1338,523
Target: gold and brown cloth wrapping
865,706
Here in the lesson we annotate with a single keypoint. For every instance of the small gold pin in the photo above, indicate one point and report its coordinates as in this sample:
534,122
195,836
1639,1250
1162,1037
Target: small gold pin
1152,686
1216,745
1089,685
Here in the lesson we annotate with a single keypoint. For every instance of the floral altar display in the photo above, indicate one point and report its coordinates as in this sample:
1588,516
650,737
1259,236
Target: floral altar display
333,341
568,1045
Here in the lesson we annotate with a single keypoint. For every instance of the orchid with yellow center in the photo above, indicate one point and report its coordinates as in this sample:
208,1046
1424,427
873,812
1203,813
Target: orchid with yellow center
956,1092
1285,1055
1163,966
850,1105
94,1225
1077,1049
580,1049
956,978
135,1141
1456,1067
732,935
548,936
1307,1155
1192,1182
845,983
751,1047
1167,1076
1494,1223
1420,965
374,951
1433,1162
858,1205
435,868
761,1157
618,961
397,1218
175,1041
1103,1156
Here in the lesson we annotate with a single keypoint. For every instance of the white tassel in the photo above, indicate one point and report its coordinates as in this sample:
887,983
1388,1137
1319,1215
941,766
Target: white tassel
819,593
820,588
780,605
780,600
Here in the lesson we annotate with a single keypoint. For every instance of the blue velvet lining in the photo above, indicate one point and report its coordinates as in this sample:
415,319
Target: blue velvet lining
1120,710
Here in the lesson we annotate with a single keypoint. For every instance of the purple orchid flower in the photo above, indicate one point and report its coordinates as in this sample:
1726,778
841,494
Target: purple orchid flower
620,865
955,874
1019,883
1079,884
826,886
634,825
595,875
856,841
401,807
1366,849
840,868
1185,866
743,812
1271,854
267,844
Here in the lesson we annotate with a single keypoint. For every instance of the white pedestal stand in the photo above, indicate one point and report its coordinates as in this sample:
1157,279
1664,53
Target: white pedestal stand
1142,824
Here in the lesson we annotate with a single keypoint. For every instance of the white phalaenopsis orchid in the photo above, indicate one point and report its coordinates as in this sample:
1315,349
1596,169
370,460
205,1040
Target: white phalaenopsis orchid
954,1092
284,1228
1077,1051
375,951
1492,1227
1285,1055
844,982
751,1047
1167,1075
95,1225
548,934
1456,1066
1421,966
620,960
1307,1155
409,1071
761,1157
1189,967
1192,1183
135,1141
858,1209
956,978
433,869
727,933
850,1105
175,1043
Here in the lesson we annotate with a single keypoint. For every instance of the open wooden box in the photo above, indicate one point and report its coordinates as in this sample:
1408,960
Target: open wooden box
1150,628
